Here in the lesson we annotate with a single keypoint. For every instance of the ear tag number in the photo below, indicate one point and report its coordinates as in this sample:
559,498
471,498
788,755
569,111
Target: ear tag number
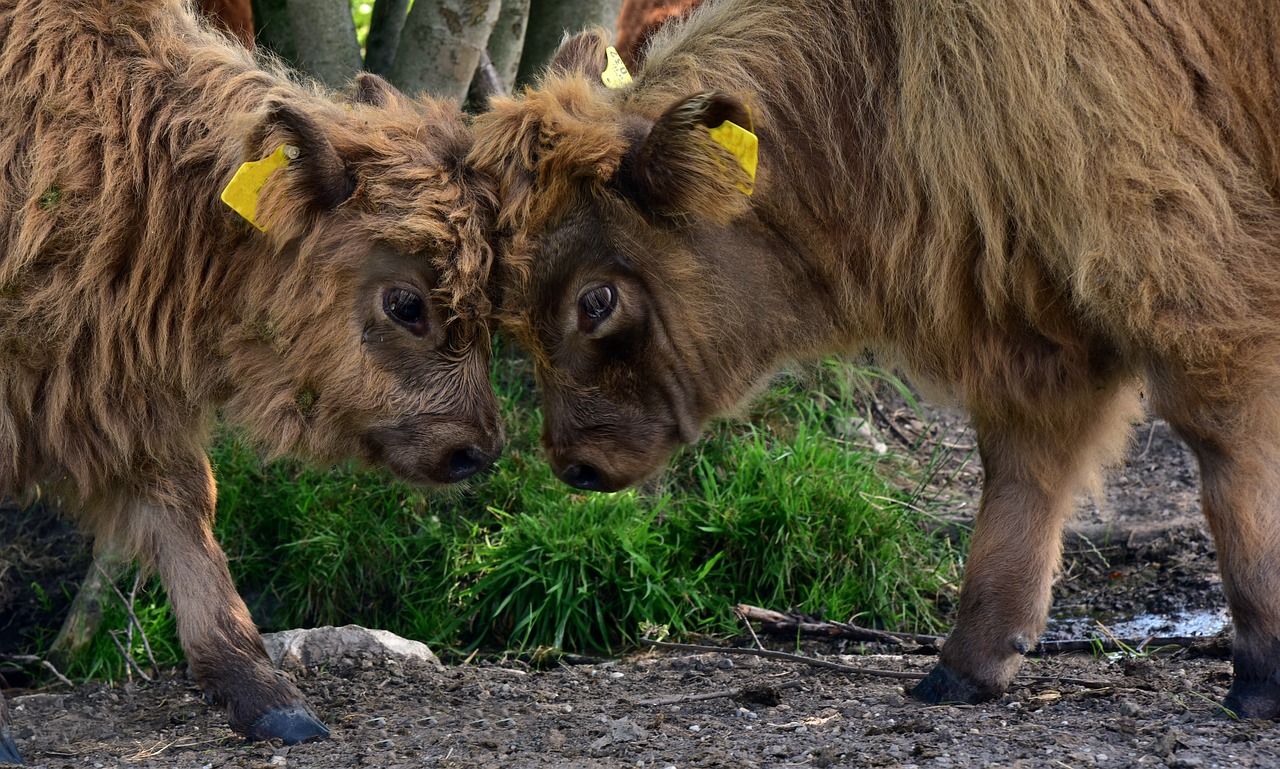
743,145
241,193
615,73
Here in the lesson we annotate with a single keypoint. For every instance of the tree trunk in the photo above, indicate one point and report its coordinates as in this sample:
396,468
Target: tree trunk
384,35
440,46
550,20
507,40
325,35
85,615
273,30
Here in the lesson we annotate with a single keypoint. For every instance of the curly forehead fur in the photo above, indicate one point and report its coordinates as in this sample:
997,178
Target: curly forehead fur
412,189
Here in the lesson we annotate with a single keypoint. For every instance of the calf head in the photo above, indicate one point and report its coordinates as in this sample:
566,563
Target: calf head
368,336
625,262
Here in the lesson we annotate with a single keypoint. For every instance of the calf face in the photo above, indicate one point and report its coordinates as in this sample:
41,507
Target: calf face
620,277
374,343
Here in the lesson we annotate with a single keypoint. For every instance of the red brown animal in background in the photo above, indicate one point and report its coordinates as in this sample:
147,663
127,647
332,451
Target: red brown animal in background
233,16
134,304
640,19
1039,207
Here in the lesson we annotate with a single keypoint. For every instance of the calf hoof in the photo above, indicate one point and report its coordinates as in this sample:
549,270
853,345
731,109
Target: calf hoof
292,724
1254,699
8,748
943,685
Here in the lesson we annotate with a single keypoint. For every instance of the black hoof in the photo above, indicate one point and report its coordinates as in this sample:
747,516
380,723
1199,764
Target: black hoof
941,685
293,725
8,748
1254,699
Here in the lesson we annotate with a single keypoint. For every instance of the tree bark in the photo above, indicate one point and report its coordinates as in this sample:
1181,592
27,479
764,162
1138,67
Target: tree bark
440,46
85,615
385,26
273,30
325,35
550,20
507,40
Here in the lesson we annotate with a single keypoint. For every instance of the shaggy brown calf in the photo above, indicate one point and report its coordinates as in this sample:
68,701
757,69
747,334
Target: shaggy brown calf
134,304
638,20
1039,206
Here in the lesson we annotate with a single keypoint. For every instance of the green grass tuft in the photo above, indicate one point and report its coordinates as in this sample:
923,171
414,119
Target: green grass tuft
778,510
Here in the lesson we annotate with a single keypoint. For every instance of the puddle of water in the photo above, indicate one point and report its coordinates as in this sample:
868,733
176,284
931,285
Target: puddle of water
1197,622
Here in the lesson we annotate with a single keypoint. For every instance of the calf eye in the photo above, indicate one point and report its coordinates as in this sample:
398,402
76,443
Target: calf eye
405,307
595,306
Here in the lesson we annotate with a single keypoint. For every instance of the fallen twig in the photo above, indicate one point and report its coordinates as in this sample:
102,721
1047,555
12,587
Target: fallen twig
1111,645
741,611
789,624
741,693
770,654
128,658
852,669
129,603
31,659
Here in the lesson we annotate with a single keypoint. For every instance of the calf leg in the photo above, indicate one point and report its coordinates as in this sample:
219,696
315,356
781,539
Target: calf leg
169,528
1034,465
1235,432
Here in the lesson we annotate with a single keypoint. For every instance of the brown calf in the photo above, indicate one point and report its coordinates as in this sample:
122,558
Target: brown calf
1038,206
638,20
134,304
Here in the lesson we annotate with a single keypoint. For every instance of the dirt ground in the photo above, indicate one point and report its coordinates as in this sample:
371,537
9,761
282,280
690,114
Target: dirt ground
1143,551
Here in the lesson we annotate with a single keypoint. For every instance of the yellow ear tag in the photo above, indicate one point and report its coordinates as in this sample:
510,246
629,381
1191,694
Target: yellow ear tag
615,73
241,193
742,144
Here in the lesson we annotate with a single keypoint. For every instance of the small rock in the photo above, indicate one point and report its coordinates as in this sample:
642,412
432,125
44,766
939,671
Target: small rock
1166,744
1129,709
312,647
624,730
775,751
1185,762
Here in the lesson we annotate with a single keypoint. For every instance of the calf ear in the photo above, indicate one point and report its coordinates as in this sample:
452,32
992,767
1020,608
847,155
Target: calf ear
316,178
683,168
583,54
372,90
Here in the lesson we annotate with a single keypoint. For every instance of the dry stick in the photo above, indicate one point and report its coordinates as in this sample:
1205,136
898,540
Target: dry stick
817,663
146,643
778,623
852,669
740,610
730,693
128,658
31,659
133,622
893,428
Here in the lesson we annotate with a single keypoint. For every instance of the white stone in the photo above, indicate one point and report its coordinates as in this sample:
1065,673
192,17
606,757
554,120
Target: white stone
309,647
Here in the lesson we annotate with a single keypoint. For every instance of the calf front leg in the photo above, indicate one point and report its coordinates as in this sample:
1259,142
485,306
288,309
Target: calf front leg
1034,465
169,528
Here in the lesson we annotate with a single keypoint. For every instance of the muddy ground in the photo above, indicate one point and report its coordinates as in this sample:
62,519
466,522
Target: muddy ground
1143,551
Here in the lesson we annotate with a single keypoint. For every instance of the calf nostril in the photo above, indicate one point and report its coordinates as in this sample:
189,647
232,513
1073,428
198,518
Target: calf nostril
466,462
583,477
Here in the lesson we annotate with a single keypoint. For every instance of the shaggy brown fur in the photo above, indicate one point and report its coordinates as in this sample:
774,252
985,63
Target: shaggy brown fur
134,303
233,16
640,19
1037,206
